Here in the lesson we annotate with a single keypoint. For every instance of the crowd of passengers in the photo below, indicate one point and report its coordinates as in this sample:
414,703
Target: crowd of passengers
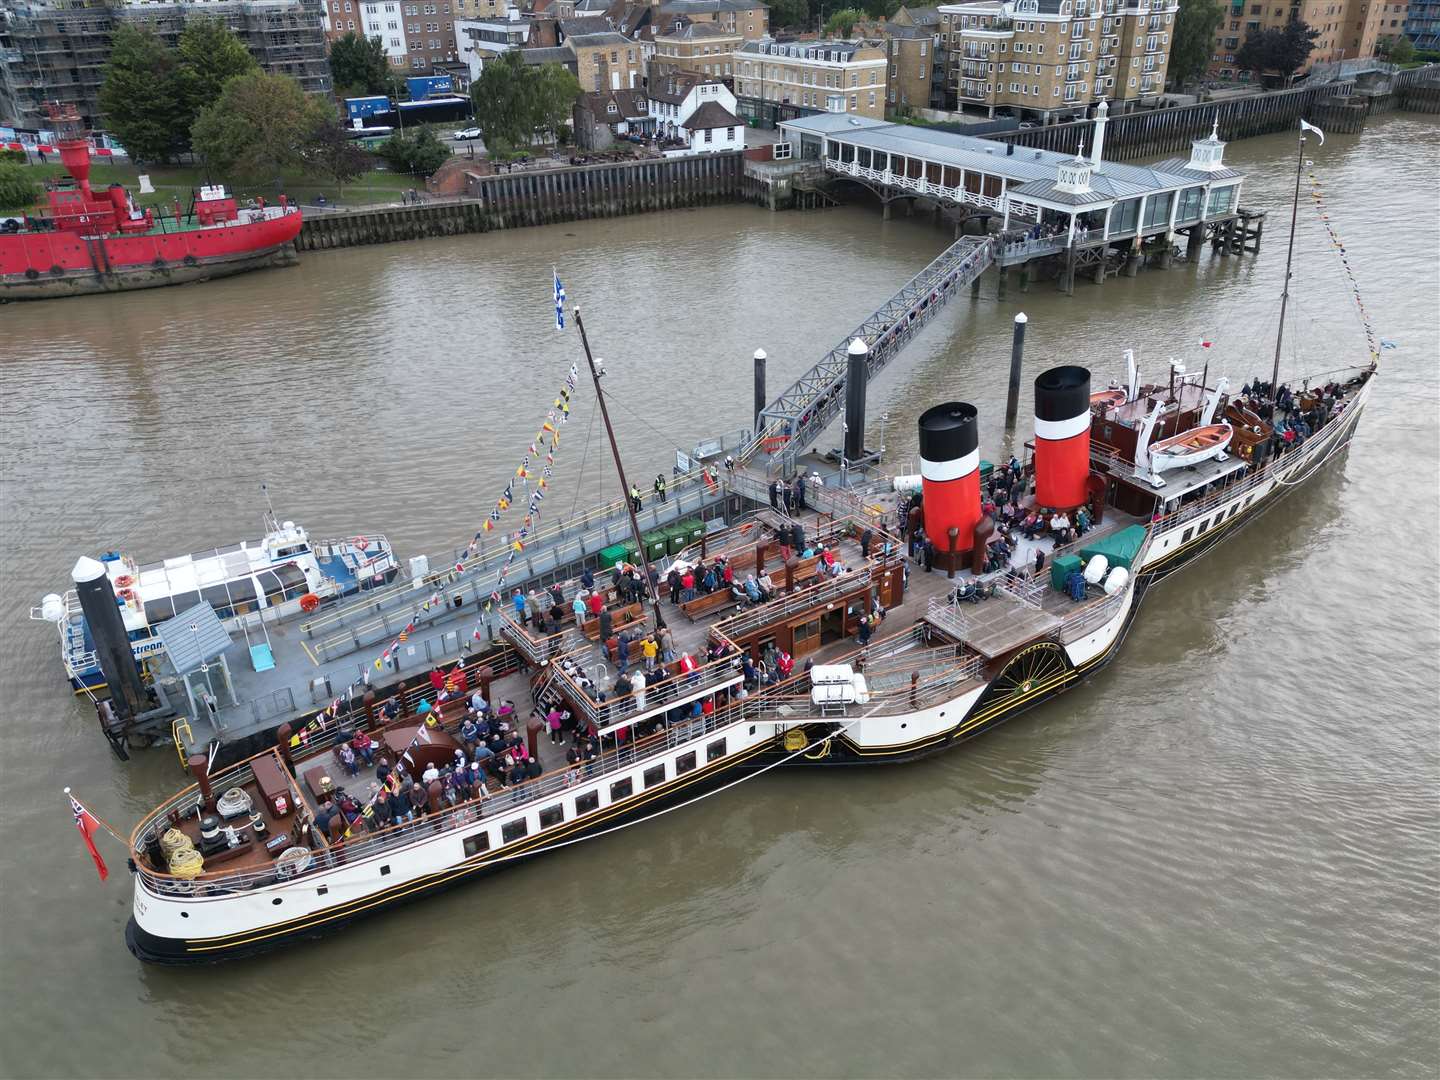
1293,423
495,756
1003,500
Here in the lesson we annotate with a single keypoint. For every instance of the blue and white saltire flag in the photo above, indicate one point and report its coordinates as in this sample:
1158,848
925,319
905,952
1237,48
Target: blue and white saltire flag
1311,127
559,301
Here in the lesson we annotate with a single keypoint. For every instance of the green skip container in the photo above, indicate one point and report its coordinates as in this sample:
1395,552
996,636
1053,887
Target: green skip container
1061,568
676,538
615,553
655,545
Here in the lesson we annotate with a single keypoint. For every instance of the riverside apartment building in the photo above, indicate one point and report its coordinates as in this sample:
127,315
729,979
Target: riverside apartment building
782,80
1052,60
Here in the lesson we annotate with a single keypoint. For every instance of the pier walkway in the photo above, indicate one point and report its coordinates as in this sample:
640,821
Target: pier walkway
793,421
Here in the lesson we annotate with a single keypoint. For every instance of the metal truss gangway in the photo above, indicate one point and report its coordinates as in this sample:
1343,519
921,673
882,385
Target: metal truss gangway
791,423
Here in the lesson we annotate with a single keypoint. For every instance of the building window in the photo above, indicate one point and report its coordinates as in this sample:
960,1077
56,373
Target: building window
709,137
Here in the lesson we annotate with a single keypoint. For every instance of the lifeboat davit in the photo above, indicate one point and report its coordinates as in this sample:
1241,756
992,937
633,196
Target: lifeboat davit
1193,446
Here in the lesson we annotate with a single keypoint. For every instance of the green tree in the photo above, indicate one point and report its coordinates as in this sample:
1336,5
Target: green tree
419,152
1279,50
1399,50
358,65
18,188
1193,40
140,98
260,126
501,106
881,9
334,155
552,95
210,54
790,14
841,23
515,101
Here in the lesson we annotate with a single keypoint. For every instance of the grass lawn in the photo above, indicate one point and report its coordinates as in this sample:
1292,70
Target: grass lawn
170,184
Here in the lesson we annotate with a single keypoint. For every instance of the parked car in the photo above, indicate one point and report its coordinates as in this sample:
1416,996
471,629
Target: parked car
466,134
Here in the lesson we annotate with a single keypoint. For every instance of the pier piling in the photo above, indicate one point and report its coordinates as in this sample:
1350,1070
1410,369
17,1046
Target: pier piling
1017,353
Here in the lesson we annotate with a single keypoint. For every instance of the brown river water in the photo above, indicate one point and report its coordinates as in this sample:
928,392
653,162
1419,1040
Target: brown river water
1219,857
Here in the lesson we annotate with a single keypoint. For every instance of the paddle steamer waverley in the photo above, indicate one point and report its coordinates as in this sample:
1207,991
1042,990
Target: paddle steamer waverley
608,711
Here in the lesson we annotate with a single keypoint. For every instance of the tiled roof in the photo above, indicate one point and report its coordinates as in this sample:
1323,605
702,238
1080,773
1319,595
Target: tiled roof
711,115
556,55
587,24
805,50
589,41
696,31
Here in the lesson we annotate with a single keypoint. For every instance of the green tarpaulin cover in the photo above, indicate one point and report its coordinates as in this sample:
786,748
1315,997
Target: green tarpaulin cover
1118,548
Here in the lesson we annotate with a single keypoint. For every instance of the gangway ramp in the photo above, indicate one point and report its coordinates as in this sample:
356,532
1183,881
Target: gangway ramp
792,422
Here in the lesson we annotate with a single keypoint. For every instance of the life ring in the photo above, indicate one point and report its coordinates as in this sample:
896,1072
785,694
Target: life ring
361,543
127,595
124,581
309,602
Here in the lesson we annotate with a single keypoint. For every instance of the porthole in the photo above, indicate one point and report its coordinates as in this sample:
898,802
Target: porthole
184,914
384,870
904,726
323,890
277,901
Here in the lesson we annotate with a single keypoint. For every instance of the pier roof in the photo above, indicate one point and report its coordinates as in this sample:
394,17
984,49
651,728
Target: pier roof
1034,173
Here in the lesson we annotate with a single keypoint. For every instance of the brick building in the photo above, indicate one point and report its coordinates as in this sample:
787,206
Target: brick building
1052,60
780,80
699,49
607,61
1348,29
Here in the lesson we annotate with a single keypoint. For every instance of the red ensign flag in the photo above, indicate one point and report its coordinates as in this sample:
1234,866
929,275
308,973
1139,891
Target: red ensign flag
86,823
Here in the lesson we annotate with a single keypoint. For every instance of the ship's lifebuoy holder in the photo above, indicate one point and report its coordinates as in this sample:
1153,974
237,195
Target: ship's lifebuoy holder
309,602
361,543
124,581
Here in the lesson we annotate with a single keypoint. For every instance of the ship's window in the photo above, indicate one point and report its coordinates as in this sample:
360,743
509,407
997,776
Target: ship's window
552,815
292,578
513,830
1233,509
185,600
715,750
242,591
385,870
655,776
477,842
158,610
622,789
271,584
752,729
587,802
186,914
278,901
1185,537
685,763
323,890
218,598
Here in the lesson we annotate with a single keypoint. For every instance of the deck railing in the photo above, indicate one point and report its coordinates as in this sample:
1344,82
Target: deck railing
829,590
775,708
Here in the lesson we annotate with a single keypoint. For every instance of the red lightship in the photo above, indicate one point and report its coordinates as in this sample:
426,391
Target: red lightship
95,242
